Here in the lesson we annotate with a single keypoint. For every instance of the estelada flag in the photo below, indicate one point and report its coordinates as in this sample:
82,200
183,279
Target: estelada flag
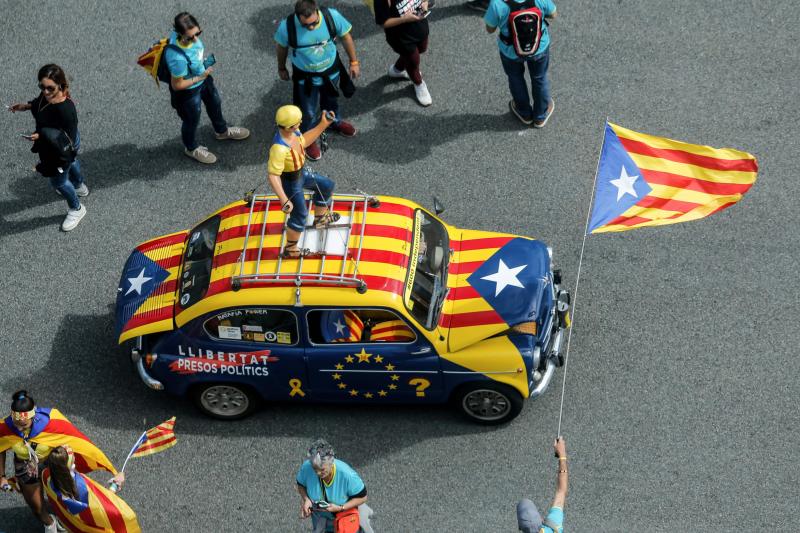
643,180
94,510
51,428
391,331
157,439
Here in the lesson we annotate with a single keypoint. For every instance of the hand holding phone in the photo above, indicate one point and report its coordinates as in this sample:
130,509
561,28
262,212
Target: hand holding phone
209,61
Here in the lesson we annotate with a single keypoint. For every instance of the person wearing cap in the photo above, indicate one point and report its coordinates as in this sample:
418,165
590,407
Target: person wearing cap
288,175
323,478
528,518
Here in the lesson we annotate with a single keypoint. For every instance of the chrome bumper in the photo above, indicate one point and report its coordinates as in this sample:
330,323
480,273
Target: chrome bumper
136,357
550,369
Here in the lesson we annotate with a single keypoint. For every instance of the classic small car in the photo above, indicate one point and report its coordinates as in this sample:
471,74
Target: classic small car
388,305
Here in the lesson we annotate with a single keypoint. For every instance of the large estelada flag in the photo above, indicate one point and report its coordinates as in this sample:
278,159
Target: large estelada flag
643,180
156,439
94,510
51,428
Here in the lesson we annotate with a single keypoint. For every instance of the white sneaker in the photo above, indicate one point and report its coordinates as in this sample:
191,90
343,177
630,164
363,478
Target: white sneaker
82,191
201,154
236,133
52,528
398,74
59,526
423,96
74,217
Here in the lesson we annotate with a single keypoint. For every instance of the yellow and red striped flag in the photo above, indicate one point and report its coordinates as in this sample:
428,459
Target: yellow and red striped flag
156,439
643,180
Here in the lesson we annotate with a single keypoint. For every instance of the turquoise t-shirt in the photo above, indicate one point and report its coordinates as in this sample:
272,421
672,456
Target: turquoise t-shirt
177,64
316,58
346,484
555,516
497,17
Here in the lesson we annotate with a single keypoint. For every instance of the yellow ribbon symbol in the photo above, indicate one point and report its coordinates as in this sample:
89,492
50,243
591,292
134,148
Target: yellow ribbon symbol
295,384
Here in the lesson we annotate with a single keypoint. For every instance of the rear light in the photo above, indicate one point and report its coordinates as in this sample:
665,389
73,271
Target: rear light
149,359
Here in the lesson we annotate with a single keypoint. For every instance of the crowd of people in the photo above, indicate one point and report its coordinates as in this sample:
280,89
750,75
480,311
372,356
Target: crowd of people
332,493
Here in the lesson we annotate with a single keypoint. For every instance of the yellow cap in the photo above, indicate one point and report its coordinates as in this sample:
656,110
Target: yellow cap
288,116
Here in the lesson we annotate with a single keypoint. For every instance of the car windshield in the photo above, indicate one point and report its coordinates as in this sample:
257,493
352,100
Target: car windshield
426,286
197,261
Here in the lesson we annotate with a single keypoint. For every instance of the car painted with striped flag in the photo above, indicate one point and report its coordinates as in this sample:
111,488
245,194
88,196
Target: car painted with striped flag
388,305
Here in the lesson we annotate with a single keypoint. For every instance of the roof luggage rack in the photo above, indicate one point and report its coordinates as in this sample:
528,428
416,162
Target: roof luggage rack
358,203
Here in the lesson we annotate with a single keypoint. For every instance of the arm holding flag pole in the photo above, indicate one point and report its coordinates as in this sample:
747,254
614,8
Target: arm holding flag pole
116,482
151,441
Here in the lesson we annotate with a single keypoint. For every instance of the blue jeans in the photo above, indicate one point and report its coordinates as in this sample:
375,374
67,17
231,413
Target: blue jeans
309,104
187,104
540,85
322,187
66,182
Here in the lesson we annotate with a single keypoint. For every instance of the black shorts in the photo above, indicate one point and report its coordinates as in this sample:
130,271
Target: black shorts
22,475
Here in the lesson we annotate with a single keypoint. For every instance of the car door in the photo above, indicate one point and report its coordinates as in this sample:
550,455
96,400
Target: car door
370,355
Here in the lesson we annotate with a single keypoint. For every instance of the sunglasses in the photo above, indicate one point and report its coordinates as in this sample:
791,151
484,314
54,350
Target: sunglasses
193,37
48,88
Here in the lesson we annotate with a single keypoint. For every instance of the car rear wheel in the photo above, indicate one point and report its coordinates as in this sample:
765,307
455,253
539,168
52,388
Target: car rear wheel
224,401
489,403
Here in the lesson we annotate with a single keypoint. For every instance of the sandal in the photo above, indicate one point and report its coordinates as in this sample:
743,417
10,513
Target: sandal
291,250
326,219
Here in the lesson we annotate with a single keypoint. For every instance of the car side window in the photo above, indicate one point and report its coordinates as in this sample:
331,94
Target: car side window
254,324
329,326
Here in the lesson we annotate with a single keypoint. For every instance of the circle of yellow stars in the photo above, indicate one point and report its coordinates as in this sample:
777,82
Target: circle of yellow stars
364,357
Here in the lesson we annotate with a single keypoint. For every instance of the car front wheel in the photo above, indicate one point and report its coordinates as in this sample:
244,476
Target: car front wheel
224,401
489,403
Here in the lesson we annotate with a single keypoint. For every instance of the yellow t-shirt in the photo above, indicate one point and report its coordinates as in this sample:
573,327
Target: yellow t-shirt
21,451
282,158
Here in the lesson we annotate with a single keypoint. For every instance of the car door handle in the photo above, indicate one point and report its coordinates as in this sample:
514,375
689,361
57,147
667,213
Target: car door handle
425,349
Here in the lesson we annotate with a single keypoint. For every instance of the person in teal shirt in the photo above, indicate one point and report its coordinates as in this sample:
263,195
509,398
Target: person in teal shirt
514,66
323,478
317,72
528,518
191,84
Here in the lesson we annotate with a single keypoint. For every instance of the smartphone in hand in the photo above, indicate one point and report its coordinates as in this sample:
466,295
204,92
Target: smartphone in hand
209,61
26,136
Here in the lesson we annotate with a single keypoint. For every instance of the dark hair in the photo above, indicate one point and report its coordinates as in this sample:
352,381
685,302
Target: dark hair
56,74
305,8
21,402
58,461
184,22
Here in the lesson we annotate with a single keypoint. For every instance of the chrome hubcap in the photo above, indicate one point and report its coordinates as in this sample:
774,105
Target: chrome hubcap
222,400
486,404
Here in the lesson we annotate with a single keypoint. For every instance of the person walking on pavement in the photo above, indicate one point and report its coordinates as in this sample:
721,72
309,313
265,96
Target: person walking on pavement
406,30
192,84
528,518
528,44
288,175
317,71
57,140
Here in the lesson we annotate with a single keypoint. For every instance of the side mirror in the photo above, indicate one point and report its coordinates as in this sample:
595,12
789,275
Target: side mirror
438,208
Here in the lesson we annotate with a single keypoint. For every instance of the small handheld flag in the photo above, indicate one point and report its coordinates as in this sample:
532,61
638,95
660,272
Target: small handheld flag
154,440
643,180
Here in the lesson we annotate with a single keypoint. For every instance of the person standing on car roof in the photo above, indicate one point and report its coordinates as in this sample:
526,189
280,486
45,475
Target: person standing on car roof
406,30
317,71
528,518
328,488
57,140
192,84
288,175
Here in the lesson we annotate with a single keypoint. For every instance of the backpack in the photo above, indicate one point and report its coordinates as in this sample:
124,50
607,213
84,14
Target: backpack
524,27
291,29
152,62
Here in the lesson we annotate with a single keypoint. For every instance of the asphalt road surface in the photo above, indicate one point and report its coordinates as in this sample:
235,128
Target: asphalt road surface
681,394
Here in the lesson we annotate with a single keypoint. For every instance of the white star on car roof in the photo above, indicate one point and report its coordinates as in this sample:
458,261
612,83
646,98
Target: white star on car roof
137,282
504,277
624,184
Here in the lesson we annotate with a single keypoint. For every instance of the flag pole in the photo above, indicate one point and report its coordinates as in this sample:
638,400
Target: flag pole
578,280
139,441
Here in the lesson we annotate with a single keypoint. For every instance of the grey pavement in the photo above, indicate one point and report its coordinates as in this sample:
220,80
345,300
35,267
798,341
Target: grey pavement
682,387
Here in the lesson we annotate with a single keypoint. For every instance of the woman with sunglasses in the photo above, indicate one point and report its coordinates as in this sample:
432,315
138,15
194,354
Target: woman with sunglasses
192,85
57,129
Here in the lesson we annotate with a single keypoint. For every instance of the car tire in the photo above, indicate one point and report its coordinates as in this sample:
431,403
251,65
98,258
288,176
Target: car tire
224,401
488,402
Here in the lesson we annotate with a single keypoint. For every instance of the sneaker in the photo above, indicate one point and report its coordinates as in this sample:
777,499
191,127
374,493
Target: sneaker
513,107
543,122
59,526
343,128
478,5
74,217
52,528
82,191
313,152
423,96
235,133
201,154
398,74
